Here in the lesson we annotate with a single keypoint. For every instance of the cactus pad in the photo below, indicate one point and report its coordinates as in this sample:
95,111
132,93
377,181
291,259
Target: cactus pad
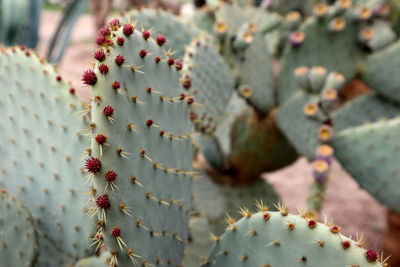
211,83
18,238
43,145
370,154
199,243
365,109
380,72
103,260
255,72
143,171
322,46
300,129
281,239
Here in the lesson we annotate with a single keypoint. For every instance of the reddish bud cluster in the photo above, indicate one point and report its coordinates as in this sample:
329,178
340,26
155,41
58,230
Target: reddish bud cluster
120,41
99,55
100,40
146,35
128,30
171,61
149,122
371,255
114,23
105,31
89,77
186,83
103,202
116,85
108,111
101,139
178,65
160,39
103,68
190,100
116,232
93,165
119,60
111,176
312,223
346,244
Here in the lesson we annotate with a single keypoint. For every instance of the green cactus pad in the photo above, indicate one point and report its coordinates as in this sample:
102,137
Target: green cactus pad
256,77
51,255
211,149
208,198
199,243
144,181
263,20
178,33
383,35
364,109
380,72
237,105
370,154
272,239
18,238
285,6
211,82
103,260
204,20
322,47
212,85
231,15
299,129
41,125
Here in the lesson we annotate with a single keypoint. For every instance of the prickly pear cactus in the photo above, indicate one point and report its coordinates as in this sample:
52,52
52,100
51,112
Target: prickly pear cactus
305,118
304,132
199,242
209,79
229,17
42,128
255,70
141,163
263,20
179,34
18,237
364,109
369,153
380,72
329,38
320,171
103,260
281,239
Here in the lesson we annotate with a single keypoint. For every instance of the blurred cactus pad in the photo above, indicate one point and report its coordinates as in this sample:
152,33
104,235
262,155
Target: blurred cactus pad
166,165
